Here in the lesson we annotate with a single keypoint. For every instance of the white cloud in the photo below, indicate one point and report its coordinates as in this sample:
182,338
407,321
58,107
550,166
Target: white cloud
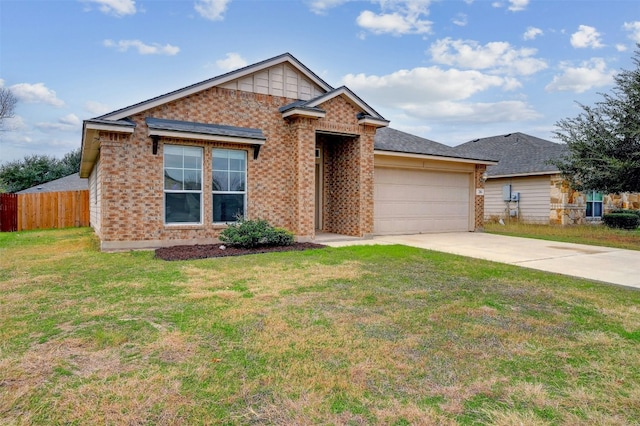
590,74
586,36
461,20
143,48
233,61
496,56
397,18
68,123
212,10
634,29
15,123
36,93
423,85
320,7
518,5
116,7
96,108
532,33
479,112
1,82
514,5
621,48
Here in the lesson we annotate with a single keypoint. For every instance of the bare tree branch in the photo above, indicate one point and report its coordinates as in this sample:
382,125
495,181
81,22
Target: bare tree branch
8,103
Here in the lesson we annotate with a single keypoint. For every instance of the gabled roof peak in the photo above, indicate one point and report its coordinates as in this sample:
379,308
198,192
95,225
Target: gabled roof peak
217,81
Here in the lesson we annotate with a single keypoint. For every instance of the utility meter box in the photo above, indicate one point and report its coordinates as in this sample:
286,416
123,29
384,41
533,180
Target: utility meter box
506,193
515,196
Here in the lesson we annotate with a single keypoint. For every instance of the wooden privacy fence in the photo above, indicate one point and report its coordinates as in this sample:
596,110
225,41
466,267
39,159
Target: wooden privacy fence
47,210
8,212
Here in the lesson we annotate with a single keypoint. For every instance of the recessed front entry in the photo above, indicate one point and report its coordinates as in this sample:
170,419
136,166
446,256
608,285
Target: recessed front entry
318,190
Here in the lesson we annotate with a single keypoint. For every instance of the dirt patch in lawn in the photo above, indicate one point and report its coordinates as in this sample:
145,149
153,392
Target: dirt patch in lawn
203,251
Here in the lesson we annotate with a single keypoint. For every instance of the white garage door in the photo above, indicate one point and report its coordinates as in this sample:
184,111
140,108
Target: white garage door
410,201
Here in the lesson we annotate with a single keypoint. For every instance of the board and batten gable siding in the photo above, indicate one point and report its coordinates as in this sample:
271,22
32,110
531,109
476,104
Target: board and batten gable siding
535,200
281,80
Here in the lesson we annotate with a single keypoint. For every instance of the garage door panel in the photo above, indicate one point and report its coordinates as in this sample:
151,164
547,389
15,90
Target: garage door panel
409,209
420,201
421,193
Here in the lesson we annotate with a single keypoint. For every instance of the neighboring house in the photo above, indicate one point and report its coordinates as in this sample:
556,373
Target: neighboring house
526,186
68,183
274,141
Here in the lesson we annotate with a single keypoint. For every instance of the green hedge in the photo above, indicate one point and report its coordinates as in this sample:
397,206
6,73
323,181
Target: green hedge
636,212
254,233
621,220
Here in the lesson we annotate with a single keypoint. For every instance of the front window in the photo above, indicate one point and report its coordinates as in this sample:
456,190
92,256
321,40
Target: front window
594,205
229,184
182,184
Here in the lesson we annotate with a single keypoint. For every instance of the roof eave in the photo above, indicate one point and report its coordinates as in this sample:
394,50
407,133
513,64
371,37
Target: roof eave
204,136
510,175
90,147
372,121
433,157
303,112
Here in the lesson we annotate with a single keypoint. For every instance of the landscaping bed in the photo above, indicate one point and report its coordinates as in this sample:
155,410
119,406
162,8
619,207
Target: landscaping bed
203,251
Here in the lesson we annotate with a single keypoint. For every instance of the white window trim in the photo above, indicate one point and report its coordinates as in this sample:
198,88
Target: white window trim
601,202
169,191
246,184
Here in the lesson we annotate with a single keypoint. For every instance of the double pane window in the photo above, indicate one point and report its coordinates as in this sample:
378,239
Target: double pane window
594,204
229,176
182,184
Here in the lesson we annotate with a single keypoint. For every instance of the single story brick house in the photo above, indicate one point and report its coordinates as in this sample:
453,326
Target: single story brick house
526,186
273,141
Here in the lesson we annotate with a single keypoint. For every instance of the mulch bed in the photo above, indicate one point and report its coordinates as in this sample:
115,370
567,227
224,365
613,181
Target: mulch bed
203,251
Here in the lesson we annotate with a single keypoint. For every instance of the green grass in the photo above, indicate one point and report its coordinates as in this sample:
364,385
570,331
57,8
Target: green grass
597,235
385,335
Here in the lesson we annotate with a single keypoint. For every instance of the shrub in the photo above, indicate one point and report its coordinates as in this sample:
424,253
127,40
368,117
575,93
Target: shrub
253,233
621,220
636,212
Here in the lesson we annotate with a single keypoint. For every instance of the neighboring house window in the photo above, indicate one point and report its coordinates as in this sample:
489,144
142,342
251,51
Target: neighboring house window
229,184
182,184
594,204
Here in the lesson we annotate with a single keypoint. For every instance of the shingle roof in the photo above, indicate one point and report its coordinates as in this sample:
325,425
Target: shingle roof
517,153
388,139
68,183
204,128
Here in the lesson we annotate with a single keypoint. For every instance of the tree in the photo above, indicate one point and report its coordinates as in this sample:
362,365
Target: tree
604,140
36,169
8,103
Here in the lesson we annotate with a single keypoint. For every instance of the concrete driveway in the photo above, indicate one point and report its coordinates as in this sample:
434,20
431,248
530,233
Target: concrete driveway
610,265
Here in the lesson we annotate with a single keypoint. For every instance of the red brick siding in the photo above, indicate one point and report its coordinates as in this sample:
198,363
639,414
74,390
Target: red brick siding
280,183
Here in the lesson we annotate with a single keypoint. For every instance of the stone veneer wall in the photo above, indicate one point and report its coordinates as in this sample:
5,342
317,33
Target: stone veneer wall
280,183
569,207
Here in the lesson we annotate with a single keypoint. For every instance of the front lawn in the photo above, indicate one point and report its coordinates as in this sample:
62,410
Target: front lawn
385,335
596,235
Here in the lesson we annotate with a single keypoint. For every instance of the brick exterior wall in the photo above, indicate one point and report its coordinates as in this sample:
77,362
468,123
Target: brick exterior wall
129,212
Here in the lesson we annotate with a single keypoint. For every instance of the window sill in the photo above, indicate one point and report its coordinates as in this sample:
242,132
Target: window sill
184,225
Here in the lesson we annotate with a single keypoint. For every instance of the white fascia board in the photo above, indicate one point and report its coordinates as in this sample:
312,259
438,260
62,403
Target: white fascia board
550,173
434,157
373,122
203,136
110,127
216,81
303,113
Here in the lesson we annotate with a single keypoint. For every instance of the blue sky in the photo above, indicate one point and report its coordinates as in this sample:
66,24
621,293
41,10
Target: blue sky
450,71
